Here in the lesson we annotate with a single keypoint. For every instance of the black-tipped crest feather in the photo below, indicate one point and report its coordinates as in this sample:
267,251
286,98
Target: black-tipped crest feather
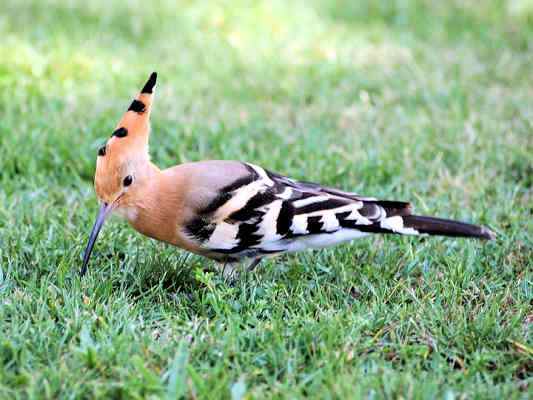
149,86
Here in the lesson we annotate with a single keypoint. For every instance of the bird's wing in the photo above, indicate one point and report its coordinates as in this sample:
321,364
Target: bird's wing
260,212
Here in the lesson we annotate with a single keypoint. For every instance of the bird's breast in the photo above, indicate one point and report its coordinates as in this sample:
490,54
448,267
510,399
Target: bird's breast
164,227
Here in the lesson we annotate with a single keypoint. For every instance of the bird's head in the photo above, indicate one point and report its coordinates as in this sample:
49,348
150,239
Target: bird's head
122,164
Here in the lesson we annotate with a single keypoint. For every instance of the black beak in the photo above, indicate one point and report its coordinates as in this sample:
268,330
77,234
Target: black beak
100,219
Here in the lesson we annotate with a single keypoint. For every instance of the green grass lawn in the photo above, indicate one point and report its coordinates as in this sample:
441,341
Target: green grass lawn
425,101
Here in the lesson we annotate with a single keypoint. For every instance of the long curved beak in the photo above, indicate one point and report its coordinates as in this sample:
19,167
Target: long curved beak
104,212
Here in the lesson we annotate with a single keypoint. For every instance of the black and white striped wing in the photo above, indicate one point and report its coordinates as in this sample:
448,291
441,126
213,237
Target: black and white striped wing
266,213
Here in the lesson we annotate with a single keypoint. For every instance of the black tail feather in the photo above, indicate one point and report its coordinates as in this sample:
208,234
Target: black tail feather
446,227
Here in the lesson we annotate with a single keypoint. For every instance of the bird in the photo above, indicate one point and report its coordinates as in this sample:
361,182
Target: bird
233,211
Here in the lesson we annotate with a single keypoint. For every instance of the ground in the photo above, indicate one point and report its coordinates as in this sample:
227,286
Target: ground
425,101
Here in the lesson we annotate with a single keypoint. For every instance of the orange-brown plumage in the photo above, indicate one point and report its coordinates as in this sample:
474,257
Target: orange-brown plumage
229,210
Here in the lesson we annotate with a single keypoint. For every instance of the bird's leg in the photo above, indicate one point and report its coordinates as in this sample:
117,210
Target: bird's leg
228,272
254,264
231,272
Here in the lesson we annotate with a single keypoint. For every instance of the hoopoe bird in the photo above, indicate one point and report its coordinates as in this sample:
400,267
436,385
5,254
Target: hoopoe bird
228,211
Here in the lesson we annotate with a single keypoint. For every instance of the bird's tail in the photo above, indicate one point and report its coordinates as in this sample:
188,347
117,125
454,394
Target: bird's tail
446,227
396,217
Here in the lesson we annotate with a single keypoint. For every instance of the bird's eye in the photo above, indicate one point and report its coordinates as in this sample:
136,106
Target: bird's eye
128,180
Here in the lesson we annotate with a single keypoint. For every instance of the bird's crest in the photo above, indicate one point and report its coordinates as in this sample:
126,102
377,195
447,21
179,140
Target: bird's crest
128,144
133,129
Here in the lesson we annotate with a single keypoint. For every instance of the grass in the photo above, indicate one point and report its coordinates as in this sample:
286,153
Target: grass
408,100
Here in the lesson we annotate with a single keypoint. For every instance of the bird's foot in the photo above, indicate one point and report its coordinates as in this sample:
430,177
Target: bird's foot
231,272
